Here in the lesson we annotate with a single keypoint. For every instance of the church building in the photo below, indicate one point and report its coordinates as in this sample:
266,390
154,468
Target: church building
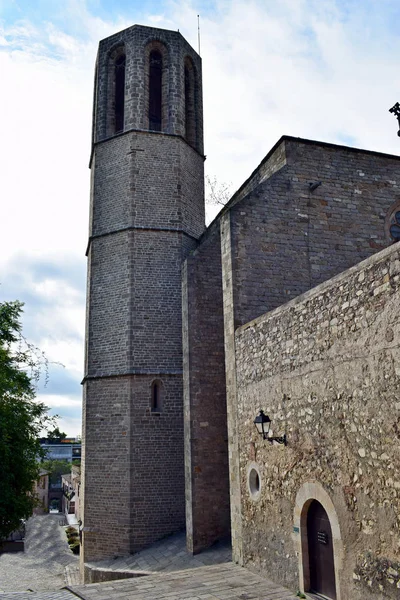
286,304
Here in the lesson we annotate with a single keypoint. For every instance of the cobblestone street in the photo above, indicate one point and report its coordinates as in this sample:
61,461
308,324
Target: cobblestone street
169,554
42,566
39,573
54,595
219,582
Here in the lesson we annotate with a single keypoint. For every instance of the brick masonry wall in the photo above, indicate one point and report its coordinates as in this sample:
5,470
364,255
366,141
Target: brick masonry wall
133,465
147,180
157,484
287,239
273,162
231,397
142,214
206,448
325,367
135,296
105,468
108,306
147,213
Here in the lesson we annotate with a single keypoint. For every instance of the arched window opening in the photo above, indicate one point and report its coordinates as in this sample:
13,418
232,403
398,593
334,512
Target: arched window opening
115,91
190,112
156,397
155,91
119,92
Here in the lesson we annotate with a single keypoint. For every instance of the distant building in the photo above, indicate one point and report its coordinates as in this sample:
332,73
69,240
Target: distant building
71,483
67,449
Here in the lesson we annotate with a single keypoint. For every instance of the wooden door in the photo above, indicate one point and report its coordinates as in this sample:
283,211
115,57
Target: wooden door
320,551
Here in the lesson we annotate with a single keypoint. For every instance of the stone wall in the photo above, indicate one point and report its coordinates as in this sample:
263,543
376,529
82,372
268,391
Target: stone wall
206,447
271,163
288,238
326,368
285,236
105,467
146,180
147,214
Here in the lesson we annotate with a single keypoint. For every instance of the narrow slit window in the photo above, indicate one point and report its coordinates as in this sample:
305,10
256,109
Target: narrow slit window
156,397
119,93
155,91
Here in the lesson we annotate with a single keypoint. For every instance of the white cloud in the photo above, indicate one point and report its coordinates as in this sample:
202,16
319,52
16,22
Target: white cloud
68,410
300,68
54,401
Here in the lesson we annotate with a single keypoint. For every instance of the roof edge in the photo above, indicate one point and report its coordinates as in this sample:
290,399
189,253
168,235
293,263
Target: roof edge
150,27
336,146
299,140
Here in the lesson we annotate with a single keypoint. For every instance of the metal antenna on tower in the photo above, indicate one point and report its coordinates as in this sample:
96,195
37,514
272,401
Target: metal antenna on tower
198,31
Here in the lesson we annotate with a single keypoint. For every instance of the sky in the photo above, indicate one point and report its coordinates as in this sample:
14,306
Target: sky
319,69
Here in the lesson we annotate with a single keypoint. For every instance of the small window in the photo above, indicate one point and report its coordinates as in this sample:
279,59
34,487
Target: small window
157,392
254,482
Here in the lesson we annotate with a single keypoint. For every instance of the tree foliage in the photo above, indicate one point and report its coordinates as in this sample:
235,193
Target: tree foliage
55,435
216,192
56,468
21,419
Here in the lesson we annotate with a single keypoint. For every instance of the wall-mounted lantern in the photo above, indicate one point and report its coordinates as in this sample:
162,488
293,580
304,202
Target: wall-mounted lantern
263,424
395,110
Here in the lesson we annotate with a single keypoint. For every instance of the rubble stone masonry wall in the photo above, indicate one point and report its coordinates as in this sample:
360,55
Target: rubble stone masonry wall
326,368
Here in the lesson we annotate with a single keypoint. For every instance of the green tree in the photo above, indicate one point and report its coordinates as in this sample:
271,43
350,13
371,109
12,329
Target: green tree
56,434
56,468
21,419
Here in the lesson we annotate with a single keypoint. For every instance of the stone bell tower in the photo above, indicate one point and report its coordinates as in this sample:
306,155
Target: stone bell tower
146,215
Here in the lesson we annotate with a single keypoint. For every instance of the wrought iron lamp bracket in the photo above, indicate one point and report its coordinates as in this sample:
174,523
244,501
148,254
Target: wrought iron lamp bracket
279,439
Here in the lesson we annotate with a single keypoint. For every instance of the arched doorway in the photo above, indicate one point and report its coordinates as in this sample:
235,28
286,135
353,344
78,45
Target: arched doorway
320,551
310,492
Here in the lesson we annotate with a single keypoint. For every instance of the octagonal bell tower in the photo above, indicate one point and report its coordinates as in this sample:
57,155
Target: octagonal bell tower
146,215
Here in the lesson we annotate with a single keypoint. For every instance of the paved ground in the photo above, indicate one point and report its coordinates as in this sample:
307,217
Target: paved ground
39,572
41,567
220,582
168,555
54,595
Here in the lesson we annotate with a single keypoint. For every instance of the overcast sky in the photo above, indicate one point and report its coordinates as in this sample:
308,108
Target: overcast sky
320,69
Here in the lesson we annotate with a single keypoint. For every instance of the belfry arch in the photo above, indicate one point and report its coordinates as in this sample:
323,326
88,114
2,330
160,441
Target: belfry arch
313,497
156,87
190,102
116,91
